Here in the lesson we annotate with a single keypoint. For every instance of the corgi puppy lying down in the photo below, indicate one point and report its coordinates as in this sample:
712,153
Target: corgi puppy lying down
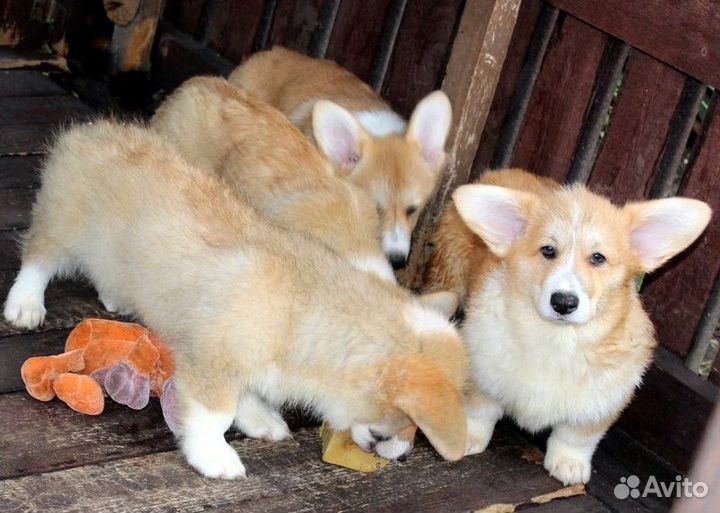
256,315
256,150
397,163
554,325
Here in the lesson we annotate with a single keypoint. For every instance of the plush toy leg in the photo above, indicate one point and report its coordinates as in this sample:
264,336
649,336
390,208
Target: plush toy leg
91,330
38,373
80,392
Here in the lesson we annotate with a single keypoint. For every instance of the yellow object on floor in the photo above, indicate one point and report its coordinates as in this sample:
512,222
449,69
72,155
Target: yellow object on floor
339,449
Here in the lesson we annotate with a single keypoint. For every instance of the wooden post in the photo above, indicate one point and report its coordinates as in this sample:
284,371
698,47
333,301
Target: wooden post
132,43
472,73
706,469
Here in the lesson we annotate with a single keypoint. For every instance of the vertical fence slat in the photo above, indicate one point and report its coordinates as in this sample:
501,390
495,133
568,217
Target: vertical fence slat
184,15
715,371
231,27
357,34
676,296
641,120
517,108
295,23
470,79
609,73
421,51
517,51
560,100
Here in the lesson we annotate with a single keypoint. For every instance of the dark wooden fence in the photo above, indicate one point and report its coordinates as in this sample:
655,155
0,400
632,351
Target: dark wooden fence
615,94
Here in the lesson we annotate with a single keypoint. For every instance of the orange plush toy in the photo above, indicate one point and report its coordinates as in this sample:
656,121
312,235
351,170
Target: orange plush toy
124,359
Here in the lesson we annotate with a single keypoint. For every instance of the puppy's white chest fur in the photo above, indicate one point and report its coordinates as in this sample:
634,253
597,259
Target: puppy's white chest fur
539,372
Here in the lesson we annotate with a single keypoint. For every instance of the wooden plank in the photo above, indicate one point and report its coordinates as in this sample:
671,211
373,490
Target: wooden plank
676,144
516,55
543,32
421,51
20,171
715,371
67,302
25,139
179,57
583,503
9,250
295,23
640,123
705,470
620,456
41,109
471,76
670,410
676,295
185,15
681,34
27,83
15,205
553,122
232,27
352,48
131,45
606,83
46,437
284,476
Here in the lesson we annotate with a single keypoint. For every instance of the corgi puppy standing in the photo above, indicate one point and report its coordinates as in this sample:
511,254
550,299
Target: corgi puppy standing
218,127
397,163
553,322
255,315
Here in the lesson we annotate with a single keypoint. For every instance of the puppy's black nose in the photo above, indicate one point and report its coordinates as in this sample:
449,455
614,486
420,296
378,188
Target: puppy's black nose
564,302
397,260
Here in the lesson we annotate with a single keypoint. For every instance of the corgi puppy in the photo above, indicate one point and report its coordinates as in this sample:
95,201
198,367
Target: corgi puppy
256,150
256,315
555,328
397,163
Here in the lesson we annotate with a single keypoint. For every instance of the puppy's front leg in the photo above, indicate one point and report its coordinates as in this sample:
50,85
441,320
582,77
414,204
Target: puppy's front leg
570,449
482,414
257,419
203,443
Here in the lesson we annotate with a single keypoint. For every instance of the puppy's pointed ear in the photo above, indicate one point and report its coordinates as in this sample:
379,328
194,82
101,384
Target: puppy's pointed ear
338,134
429,127
660,229
497,214
418,388
444,302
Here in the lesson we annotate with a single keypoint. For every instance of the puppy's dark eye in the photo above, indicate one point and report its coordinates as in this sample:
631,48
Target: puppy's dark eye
548,252
597,259
410,210
378,437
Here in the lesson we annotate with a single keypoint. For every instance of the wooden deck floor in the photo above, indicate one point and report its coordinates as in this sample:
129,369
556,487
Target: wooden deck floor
55,460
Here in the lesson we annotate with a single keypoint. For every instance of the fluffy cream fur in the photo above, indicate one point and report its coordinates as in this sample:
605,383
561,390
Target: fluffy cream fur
397,163
572,371
264,157
256,316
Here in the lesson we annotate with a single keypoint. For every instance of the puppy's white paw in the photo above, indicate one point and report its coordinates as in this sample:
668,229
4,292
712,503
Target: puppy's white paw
394,449
264,425
26,311
479,433
217,460
568,465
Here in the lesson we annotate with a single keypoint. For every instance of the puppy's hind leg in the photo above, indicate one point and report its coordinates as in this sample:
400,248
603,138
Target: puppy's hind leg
202,429
25,303
257,419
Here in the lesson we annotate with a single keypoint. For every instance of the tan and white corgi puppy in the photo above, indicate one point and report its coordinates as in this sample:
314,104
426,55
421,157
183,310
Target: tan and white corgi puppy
553,322
397,163
218,127
256,315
